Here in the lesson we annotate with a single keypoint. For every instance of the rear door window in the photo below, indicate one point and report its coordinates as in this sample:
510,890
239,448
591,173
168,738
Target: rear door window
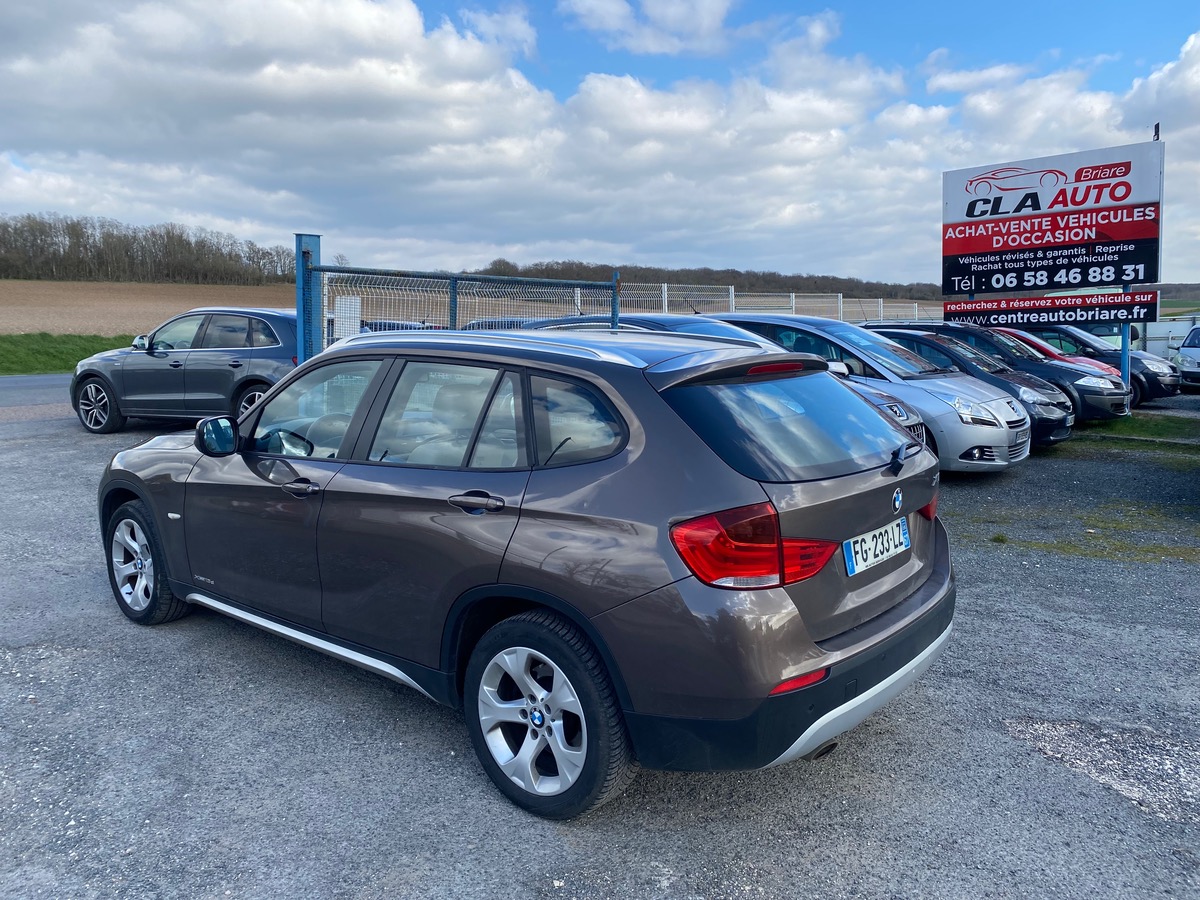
225,333
787,429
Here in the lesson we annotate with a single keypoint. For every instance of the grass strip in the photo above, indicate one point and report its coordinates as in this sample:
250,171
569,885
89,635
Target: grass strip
1153,426
45,354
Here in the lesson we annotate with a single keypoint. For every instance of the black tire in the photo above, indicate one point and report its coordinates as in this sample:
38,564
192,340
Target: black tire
1139,395
97,408
137,567
247,397
560,663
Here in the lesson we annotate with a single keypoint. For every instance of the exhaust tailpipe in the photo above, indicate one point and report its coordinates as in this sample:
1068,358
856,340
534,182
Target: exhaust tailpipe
821,752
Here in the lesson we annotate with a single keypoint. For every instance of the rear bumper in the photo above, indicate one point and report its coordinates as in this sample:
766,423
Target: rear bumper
789,726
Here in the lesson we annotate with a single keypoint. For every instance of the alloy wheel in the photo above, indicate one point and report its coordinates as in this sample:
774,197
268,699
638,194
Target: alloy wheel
94,407
532,721
132,565
248,400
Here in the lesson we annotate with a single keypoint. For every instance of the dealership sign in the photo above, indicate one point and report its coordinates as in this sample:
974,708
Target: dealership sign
1073,309
1080,220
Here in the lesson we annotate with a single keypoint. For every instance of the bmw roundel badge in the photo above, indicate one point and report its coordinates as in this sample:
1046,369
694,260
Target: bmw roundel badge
897,500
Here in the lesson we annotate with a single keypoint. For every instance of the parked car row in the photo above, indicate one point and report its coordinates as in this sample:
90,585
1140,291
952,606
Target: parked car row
983,397
223,359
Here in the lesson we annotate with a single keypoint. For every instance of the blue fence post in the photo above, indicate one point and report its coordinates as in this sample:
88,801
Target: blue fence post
452,314
1125,361
309,308
616,299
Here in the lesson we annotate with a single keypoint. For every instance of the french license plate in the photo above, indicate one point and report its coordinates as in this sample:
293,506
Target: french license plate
874,547
1020,437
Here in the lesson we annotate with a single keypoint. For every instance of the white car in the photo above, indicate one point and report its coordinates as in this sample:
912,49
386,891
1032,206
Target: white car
971,425
1187,358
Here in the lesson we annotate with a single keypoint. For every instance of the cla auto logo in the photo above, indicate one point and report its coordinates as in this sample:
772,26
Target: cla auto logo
897,500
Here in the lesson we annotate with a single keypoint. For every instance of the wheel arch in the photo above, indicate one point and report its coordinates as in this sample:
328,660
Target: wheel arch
478,610
87,375
247,384
117,494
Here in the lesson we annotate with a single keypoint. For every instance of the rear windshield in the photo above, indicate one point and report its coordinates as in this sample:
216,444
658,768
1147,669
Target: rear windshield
1016,347
796,428
884,350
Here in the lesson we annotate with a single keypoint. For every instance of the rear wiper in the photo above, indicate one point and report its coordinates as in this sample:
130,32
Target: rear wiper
898,455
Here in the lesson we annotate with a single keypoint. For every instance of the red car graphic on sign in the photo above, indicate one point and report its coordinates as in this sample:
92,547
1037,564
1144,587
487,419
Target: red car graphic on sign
1014,178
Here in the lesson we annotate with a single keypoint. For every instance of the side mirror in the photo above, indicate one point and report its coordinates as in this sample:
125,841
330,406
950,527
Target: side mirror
140,342
1174,344
839,368
217,436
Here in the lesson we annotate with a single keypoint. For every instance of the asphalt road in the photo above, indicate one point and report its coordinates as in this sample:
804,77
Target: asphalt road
1054,751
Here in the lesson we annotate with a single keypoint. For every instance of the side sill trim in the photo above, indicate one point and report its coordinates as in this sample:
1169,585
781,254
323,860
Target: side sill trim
370,663
851,713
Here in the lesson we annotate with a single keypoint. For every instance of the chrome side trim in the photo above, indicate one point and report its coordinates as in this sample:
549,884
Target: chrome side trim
851,713
370,663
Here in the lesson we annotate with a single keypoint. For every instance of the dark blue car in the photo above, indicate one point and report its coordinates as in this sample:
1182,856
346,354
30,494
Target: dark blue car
205,362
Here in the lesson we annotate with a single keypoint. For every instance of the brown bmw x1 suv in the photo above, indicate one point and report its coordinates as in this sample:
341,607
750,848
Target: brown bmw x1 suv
688,552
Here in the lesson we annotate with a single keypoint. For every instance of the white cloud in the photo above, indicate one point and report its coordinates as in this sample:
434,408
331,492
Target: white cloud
418,144
975,80
664,26
510,27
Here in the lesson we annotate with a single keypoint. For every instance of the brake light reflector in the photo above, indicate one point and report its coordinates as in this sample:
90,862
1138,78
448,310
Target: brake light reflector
804,559
929,510
742,549
800,681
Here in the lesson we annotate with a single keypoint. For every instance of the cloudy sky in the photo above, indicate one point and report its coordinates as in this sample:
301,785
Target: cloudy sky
434,134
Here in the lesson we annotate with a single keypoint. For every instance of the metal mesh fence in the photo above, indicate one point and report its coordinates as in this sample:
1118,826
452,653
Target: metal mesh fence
352,300
675,298
358,300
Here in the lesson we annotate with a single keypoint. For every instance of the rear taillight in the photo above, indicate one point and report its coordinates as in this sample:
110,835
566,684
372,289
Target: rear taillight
929,510
742,548
800,681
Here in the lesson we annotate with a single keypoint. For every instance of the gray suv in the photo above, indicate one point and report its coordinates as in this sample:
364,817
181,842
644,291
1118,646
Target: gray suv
673,550
211,360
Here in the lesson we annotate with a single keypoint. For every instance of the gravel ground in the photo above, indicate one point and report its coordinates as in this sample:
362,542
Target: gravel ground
1053,751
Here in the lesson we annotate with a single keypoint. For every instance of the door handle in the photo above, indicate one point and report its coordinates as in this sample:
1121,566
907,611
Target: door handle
175,364
236,364
476,502
301,488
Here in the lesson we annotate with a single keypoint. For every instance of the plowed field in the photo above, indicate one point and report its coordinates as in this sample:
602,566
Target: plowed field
111,308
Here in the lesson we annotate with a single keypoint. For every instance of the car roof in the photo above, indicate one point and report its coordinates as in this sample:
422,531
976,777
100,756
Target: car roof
922,325
777,319
627,317
635,349
284,312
